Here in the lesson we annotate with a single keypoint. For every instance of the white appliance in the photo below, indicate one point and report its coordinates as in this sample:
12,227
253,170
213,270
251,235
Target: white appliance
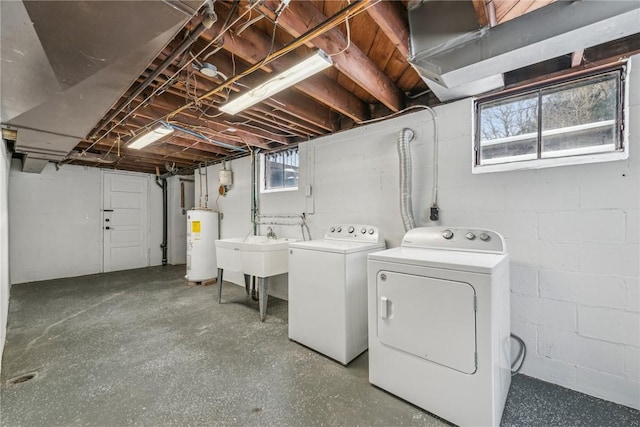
439,323
328,290
202,232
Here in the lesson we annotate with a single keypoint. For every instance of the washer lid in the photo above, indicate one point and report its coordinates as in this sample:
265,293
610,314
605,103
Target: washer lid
336,246
474,262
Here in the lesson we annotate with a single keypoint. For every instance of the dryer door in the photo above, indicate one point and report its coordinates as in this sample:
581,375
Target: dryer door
431,318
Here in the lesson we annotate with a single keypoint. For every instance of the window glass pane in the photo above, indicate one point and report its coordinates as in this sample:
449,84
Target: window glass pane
281,170
274,170
508,130
290,168
580,118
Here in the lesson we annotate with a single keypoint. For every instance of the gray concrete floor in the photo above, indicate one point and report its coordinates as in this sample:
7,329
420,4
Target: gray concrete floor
141,348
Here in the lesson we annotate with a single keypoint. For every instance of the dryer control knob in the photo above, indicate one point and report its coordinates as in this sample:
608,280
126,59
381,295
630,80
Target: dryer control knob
484,237
333,229
371,231
339,229
447,234
363,231
351,229
470,236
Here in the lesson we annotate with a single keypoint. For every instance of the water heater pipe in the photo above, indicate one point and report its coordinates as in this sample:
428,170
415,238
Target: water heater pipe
405,137
162,183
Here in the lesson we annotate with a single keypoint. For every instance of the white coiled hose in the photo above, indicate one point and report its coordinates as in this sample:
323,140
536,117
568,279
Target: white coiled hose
405,137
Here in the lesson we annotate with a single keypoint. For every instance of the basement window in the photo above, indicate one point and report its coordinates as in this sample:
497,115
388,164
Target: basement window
279,171
577,120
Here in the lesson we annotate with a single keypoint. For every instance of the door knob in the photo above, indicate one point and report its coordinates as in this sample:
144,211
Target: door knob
107,228
107,220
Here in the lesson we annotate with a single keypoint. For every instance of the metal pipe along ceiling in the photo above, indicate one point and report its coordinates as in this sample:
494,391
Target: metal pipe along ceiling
206,23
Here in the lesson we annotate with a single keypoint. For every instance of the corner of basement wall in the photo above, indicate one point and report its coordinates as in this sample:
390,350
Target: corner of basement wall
4,245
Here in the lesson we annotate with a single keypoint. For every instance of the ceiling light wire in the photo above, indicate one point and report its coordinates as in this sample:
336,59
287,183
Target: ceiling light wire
285,135
330,23
214,40
348,37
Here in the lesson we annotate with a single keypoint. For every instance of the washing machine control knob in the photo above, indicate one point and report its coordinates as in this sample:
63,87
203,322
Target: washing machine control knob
333,229
371,231
470,236
447,234
339,229
351,229
484,237
363,231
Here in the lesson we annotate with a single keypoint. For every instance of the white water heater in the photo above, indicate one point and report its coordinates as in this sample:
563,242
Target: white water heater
202,233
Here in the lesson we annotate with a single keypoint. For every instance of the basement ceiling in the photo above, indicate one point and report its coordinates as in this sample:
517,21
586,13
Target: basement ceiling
370,78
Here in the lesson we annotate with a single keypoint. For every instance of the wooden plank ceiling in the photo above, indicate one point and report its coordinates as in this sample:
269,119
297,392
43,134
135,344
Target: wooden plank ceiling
370,78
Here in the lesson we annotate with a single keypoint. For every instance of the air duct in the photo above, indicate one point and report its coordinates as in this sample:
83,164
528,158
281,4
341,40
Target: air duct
64,65
404,153
457,58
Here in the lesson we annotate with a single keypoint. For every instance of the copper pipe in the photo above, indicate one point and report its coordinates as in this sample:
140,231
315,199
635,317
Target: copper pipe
327,25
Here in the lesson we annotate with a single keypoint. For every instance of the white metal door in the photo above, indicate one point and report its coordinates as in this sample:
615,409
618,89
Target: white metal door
125,219
430,318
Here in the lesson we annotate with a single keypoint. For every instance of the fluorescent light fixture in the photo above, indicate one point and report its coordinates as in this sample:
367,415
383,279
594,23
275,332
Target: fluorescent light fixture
308,67
148,137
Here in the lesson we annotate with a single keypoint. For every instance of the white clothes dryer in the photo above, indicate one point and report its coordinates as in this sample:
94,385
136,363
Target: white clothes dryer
439,323
328,290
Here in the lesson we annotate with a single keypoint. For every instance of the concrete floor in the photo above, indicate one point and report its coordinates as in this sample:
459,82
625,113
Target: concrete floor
140,347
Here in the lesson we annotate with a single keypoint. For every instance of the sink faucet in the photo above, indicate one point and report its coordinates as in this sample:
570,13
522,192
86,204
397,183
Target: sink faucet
270,233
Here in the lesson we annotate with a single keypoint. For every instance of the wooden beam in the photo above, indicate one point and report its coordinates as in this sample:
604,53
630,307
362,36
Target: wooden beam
576,57
157,153
187,118
289,121
186,140
391,17
253,45
301,16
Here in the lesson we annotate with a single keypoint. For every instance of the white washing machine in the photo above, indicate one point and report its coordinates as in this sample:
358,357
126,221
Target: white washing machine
328,290
439,323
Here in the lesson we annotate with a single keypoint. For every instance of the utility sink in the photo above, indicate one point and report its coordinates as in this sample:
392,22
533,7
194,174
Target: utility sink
264,257
258,256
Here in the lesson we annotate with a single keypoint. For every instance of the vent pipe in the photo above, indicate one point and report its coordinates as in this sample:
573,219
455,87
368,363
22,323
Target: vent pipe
405,137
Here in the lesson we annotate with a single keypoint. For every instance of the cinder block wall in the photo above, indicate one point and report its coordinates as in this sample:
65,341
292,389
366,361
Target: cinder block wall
572,233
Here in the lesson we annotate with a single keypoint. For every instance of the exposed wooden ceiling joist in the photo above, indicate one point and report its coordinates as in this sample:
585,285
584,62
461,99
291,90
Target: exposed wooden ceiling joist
253,45
300,16
369,79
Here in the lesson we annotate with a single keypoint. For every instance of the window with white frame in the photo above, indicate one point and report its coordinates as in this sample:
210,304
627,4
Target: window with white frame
279,170
571,121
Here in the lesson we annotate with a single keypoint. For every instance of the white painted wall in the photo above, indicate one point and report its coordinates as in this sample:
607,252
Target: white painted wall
55,220
4,243
572,233
178,218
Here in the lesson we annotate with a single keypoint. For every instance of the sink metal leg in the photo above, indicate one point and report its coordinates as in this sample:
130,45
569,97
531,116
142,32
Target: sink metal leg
263,288
220,271
247,283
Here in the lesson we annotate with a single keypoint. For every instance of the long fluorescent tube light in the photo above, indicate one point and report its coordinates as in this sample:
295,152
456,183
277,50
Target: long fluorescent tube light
151,136
308,67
